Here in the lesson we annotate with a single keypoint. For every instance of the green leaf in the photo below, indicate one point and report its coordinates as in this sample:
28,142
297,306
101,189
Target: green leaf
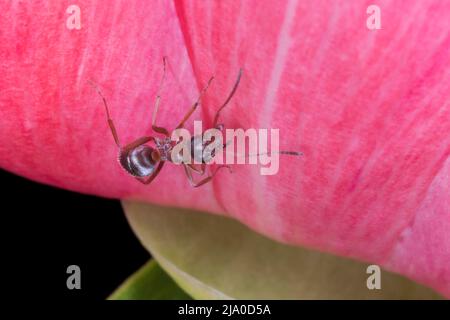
213,257
150,282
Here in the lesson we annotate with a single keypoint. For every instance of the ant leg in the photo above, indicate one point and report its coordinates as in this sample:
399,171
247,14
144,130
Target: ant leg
200,171
195,105
158,99
151,177
110,121
137,143
187,169
216,118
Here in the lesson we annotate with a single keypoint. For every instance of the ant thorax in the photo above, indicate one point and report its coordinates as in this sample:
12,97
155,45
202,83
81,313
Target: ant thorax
164,147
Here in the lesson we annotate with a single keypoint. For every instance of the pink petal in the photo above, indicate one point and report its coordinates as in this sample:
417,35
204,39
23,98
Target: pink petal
369,109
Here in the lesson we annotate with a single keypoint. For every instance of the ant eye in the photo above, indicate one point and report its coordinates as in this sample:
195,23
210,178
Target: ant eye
139,161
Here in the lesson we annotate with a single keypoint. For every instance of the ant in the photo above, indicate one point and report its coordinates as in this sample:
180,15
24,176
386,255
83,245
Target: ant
144,162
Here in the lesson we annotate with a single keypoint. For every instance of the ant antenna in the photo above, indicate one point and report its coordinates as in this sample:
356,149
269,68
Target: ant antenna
216,118
288,153
110,121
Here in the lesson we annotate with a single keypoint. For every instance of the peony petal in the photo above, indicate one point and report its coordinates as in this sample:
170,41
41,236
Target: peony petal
368,108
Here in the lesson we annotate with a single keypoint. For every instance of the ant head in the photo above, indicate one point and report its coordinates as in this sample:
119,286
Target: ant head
140,161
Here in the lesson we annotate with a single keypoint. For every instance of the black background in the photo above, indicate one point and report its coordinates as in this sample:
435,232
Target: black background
46,229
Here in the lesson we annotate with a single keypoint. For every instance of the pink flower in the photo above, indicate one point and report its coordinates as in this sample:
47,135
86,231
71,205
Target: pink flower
369,109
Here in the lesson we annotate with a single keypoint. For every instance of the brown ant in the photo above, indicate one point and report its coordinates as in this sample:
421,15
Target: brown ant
144,162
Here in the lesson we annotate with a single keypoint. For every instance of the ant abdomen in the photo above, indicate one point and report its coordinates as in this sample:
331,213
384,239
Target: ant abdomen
138,161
